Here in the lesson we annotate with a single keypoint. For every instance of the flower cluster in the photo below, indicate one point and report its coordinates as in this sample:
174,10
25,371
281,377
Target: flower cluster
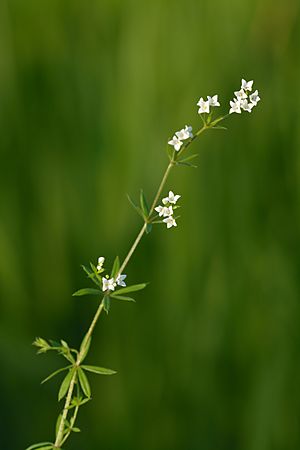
205,105
166,210
179,136
244,101
109,284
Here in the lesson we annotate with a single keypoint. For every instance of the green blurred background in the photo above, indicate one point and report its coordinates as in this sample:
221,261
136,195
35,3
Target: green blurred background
208,358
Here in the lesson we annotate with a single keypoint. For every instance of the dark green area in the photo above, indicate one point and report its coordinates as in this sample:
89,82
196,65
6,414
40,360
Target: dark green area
208,358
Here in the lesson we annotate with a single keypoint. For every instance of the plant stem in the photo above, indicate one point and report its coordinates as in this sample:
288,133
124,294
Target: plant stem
60,439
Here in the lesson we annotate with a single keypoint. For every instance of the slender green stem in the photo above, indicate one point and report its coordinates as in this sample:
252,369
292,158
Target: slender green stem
60,439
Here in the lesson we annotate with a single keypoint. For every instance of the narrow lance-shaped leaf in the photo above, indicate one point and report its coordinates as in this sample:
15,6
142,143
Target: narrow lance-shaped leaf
84,382
143,204
87,291
148,228
65,385
134,287
99,370
116,267
106,304
55,373
122,297
84,347
138,210
38,446
90,274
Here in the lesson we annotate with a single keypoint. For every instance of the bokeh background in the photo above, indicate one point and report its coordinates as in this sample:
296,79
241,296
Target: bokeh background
208,358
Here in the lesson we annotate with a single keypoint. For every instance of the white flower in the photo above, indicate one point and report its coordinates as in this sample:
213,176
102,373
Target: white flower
235,106
185,133
170,221
240,95
164,210
108,285
171,199
247,85
120,280
176,143
254,98
203,106
213,101
247,106
101,260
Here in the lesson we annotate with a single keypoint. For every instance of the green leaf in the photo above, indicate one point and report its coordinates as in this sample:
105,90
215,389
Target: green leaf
78,401
84,382
99,370
122,297
116,267
54,373
75,429
84,347
65,385
106,304
219,127
134,287
138,210
96,274
87,291
57,424
180,163
189,158
148,228
38,446
143,204
90,274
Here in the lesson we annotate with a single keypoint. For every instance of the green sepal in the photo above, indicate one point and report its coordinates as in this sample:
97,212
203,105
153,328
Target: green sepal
127,289
148,228
138,210
115,268
84,382
38,446
87,291
122,297
106,303
143,204
99,370
65,384
55,373
86,342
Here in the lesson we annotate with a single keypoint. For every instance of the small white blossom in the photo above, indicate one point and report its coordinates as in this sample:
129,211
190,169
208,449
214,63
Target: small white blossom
203,106
164,210
120,280
247,85
254,98
213,101
176,143
246,106
172,198
185,133
101,260
240,95
170,221
108,284
235,106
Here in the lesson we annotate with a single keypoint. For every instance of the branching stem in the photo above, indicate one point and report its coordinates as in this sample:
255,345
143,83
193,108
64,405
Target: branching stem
60,438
